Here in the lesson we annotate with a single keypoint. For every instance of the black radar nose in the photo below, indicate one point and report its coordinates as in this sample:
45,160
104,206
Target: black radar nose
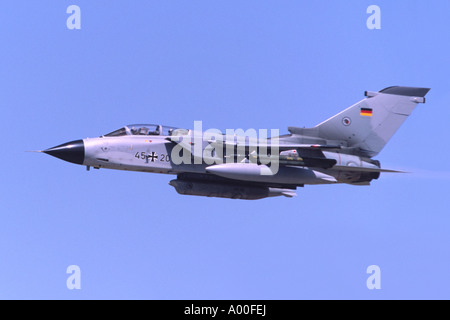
71,151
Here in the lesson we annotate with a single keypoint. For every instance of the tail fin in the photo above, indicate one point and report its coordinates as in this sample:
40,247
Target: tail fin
371,123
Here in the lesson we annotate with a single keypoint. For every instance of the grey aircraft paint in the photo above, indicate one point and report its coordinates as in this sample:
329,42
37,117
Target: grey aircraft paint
338,150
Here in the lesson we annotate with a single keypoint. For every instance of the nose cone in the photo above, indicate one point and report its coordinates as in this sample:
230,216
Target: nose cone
71,151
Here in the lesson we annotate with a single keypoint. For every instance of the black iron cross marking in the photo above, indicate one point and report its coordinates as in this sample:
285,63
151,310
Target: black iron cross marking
152,157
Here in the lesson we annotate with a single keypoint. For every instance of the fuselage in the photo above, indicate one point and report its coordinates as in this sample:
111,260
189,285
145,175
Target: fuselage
203,167
153,154
132,153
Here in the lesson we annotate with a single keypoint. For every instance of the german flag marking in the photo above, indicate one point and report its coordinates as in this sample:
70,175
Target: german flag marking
366,112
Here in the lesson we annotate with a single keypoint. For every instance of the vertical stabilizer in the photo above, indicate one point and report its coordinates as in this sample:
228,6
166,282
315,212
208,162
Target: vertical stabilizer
371,123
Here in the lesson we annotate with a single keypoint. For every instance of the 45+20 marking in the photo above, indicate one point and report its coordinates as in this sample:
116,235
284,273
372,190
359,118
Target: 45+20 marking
153,156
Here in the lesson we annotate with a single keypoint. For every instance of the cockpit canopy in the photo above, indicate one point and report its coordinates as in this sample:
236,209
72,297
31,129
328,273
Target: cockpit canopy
147,130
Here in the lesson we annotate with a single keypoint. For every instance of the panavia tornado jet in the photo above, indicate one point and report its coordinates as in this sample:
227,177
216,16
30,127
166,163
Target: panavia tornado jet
216,164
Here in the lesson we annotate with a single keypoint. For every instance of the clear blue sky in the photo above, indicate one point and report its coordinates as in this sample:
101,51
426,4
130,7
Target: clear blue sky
231,64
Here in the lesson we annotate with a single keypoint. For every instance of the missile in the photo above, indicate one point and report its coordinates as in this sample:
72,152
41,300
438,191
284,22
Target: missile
263,173
235,170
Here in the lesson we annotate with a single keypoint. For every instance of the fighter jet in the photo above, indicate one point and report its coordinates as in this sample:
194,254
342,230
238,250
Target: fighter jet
338,150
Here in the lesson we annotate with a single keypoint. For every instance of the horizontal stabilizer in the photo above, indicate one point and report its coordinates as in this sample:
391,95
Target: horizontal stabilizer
362,169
